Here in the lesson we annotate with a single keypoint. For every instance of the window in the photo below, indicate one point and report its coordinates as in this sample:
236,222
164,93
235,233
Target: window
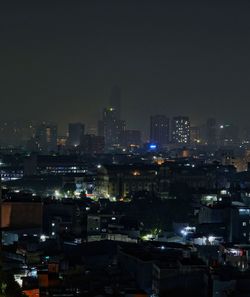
244,224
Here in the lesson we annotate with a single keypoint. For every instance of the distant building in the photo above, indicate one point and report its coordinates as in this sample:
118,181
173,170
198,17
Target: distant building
53,165
92,144
228,135
159,130
22,215
46,137
110,127
131,138
246,136
122,180
115,100
15,133
195,135
181,130
233,220
211,132
75,133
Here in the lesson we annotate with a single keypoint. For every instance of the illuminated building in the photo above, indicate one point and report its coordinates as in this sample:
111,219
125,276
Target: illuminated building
75,133
53,165
181,130
159,130
225,219
120,180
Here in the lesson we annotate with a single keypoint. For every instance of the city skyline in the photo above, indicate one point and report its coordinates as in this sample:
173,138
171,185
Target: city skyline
125,148
60,60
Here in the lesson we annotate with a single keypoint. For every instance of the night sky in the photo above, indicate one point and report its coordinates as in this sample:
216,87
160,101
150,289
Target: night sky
60,59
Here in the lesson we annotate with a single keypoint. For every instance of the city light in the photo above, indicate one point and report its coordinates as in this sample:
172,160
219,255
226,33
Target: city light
152,146
43,238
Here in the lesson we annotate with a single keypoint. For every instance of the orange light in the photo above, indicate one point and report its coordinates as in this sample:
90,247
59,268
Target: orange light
32,293
136,173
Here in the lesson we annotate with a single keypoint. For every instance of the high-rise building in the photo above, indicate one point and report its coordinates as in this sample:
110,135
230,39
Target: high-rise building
228,135
195,135
159,130
46,137
181,130
130,138
92,144
115,100
211,131
75,133
110,127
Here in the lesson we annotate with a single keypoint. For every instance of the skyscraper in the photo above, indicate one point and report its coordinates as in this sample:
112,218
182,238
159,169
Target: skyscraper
211,131
115,100
46,137
159,130
181,130
111,127
76,132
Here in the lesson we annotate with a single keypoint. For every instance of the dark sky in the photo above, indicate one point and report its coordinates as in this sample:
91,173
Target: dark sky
59,59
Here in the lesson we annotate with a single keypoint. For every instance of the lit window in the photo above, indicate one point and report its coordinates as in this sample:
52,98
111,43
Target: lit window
244,223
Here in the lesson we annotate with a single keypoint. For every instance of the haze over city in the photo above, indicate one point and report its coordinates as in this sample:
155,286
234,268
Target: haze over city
60,60
124,148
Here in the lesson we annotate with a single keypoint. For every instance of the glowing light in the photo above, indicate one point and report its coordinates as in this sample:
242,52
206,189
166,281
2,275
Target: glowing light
152,146
136,173
184,232
147,237
211,239
57,194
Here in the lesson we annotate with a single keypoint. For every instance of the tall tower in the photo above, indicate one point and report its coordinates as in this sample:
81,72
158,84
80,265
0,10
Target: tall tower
111,127
115,100
159,130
